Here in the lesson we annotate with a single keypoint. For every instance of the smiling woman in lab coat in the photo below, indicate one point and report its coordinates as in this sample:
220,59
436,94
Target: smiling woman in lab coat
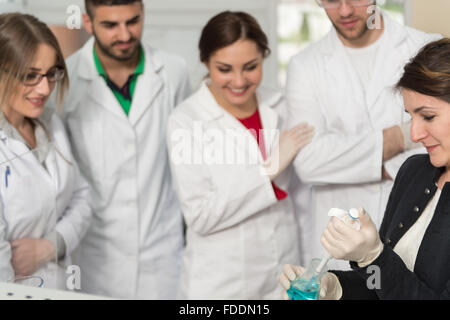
230,172
43,199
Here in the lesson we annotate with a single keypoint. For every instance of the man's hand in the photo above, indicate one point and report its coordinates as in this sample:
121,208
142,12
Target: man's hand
384,174
393,143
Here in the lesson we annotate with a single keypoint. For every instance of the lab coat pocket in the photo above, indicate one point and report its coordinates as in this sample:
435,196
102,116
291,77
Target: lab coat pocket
22,203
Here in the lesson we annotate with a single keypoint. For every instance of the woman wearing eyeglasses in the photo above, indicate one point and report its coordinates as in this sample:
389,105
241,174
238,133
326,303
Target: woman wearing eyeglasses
43,199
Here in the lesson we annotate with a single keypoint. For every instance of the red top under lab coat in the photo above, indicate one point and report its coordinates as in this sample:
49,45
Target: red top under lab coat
254,124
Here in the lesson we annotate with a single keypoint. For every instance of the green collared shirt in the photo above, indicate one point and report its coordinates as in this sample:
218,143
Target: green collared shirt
125,94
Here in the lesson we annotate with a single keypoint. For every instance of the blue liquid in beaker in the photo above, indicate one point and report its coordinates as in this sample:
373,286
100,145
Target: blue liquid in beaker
303,289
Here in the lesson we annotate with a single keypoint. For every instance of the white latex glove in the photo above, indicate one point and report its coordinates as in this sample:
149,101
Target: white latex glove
290,143
289,273
343,242
406,131
330,287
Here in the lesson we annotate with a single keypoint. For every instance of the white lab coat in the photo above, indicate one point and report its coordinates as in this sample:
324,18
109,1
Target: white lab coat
37,200
344,160
238,234
133,247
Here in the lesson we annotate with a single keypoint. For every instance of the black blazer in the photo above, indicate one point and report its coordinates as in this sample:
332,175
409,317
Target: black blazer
413,188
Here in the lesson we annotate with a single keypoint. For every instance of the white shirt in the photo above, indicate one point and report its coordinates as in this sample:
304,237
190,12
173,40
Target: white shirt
363,60
408,246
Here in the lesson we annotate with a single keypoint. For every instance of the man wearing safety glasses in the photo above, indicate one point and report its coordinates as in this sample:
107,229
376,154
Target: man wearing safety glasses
342,85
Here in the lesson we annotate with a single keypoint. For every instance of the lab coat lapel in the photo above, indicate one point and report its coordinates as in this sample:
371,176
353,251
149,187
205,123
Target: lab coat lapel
87,69
245,141
213,112
19,152
148,86
52,168
388,59
97,88
17,148
269,119
103,96
248,144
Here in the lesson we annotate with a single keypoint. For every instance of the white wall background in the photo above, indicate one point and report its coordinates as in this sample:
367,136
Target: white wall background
175,25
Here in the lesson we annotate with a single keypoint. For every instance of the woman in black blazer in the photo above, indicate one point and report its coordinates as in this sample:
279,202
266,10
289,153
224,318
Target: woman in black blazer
410,257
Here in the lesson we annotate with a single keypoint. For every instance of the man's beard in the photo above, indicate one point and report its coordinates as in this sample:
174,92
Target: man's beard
106,50
360,34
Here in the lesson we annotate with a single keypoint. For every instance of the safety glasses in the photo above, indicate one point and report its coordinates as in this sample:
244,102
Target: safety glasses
334,4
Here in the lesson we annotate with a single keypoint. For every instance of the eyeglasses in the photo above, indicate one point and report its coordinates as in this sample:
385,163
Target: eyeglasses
334,4
34,78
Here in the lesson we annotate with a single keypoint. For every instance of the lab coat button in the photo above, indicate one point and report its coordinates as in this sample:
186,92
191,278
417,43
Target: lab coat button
427,191
416,209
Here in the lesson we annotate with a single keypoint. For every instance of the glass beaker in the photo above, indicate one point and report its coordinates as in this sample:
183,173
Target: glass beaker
307,285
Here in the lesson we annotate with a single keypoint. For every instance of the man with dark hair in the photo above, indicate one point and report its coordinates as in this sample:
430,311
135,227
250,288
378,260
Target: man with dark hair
91,4
122,92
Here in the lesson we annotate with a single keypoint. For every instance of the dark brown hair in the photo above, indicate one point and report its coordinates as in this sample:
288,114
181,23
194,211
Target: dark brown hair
428,73
228,27
90,4
20,37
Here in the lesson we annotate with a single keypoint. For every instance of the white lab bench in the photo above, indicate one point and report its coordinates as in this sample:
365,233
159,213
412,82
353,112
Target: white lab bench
12,291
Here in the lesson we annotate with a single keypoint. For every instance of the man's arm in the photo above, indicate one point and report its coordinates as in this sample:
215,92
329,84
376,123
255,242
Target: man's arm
332,157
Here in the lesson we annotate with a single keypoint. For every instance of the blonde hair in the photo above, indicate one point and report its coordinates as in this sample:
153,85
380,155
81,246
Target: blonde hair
20,37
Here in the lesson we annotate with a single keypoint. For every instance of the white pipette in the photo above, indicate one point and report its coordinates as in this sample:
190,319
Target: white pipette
341,214
322,264
351,218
